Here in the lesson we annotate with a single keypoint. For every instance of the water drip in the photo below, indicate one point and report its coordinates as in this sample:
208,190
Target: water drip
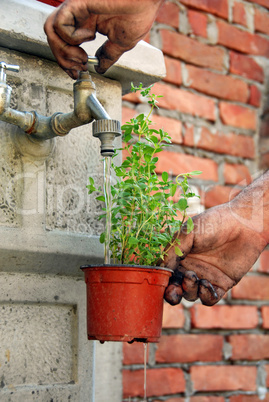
108,203
145,371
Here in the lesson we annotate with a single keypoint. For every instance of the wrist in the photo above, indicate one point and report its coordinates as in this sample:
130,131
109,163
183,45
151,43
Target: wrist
251,207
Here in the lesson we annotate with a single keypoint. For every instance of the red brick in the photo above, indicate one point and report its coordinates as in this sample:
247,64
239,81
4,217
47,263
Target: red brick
264,262
264,129
252,288
127,114
236,174
133,97
177,163
239,14
238,116
248,398
246,66
263,144
195,399
223,378
263,3
185,102
170,400
224,317
220,86
162,381
243,41
217,7
216,195
198,23
249,347
169,14
261,21
173,316
264,161
265,317
133,353
172,126
188,138
227,143
192,51
207,399
173,71
189,348
254,96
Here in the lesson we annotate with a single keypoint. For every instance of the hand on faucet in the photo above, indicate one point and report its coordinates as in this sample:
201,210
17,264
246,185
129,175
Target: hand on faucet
124,22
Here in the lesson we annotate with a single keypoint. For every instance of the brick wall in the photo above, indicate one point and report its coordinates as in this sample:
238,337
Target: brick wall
215,92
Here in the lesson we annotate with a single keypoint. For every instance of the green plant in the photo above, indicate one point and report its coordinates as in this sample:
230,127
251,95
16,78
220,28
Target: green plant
143,215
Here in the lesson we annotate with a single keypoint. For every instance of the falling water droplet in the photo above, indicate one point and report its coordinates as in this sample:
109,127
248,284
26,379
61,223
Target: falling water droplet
108,202
145,371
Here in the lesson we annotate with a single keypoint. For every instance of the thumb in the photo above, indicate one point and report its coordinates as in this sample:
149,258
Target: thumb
182,240
108,54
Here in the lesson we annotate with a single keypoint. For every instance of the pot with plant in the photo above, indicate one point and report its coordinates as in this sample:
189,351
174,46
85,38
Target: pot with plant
125,300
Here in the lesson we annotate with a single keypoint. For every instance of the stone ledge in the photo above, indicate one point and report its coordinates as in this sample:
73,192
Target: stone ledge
56,253
22,30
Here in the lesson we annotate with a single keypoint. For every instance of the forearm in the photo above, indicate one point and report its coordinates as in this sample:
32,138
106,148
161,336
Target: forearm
251,207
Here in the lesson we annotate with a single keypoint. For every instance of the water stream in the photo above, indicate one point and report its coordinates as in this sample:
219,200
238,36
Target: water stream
145,371
108,202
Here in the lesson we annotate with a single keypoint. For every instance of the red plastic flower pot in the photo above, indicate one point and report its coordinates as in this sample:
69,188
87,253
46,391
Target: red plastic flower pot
125,302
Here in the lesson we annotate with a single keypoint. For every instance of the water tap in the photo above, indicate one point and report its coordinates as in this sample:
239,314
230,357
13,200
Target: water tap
5,90
86,109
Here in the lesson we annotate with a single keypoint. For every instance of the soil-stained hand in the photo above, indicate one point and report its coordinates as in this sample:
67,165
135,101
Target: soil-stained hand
124,22
219,251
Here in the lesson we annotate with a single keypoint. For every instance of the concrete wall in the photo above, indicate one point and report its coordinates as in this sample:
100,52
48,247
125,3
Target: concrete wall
48,223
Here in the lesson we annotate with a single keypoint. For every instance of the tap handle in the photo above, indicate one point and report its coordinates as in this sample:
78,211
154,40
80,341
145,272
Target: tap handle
93,60
4,67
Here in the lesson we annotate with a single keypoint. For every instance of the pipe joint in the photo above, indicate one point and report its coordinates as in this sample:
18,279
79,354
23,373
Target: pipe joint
83,88
86,108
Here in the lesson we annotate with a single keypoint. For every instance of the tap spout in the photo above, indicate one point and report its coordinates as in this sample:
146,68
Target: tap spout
97,110
86,109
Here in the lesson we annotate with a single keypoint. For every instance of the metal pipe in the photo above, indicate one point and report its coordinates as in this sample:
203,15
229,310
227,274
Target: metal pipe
93,60
24,120
3,69
97,110
86,108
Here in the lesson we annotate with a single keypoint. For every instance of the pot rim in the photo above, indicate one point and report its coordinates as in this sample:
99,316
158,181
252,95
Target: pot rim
125,266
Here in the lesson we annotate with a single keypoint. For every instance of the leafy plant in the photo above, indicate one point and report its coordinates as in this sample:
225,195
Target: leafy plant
144,216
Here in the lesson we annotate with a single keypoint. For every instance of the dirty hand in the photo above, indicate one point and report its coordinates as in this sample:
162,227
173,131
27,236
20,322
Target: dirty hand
225,243
124,22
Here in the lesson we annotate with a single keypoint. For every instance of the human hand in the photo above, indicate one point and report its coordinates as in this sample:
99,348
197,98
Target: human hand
124,22
219,251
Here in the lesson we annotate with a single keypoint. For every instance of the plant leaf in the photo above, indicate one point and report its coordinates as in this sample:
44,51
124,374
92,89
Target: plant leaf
102,238
190,225
165,176
195,172
182,204
178,251
132,240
